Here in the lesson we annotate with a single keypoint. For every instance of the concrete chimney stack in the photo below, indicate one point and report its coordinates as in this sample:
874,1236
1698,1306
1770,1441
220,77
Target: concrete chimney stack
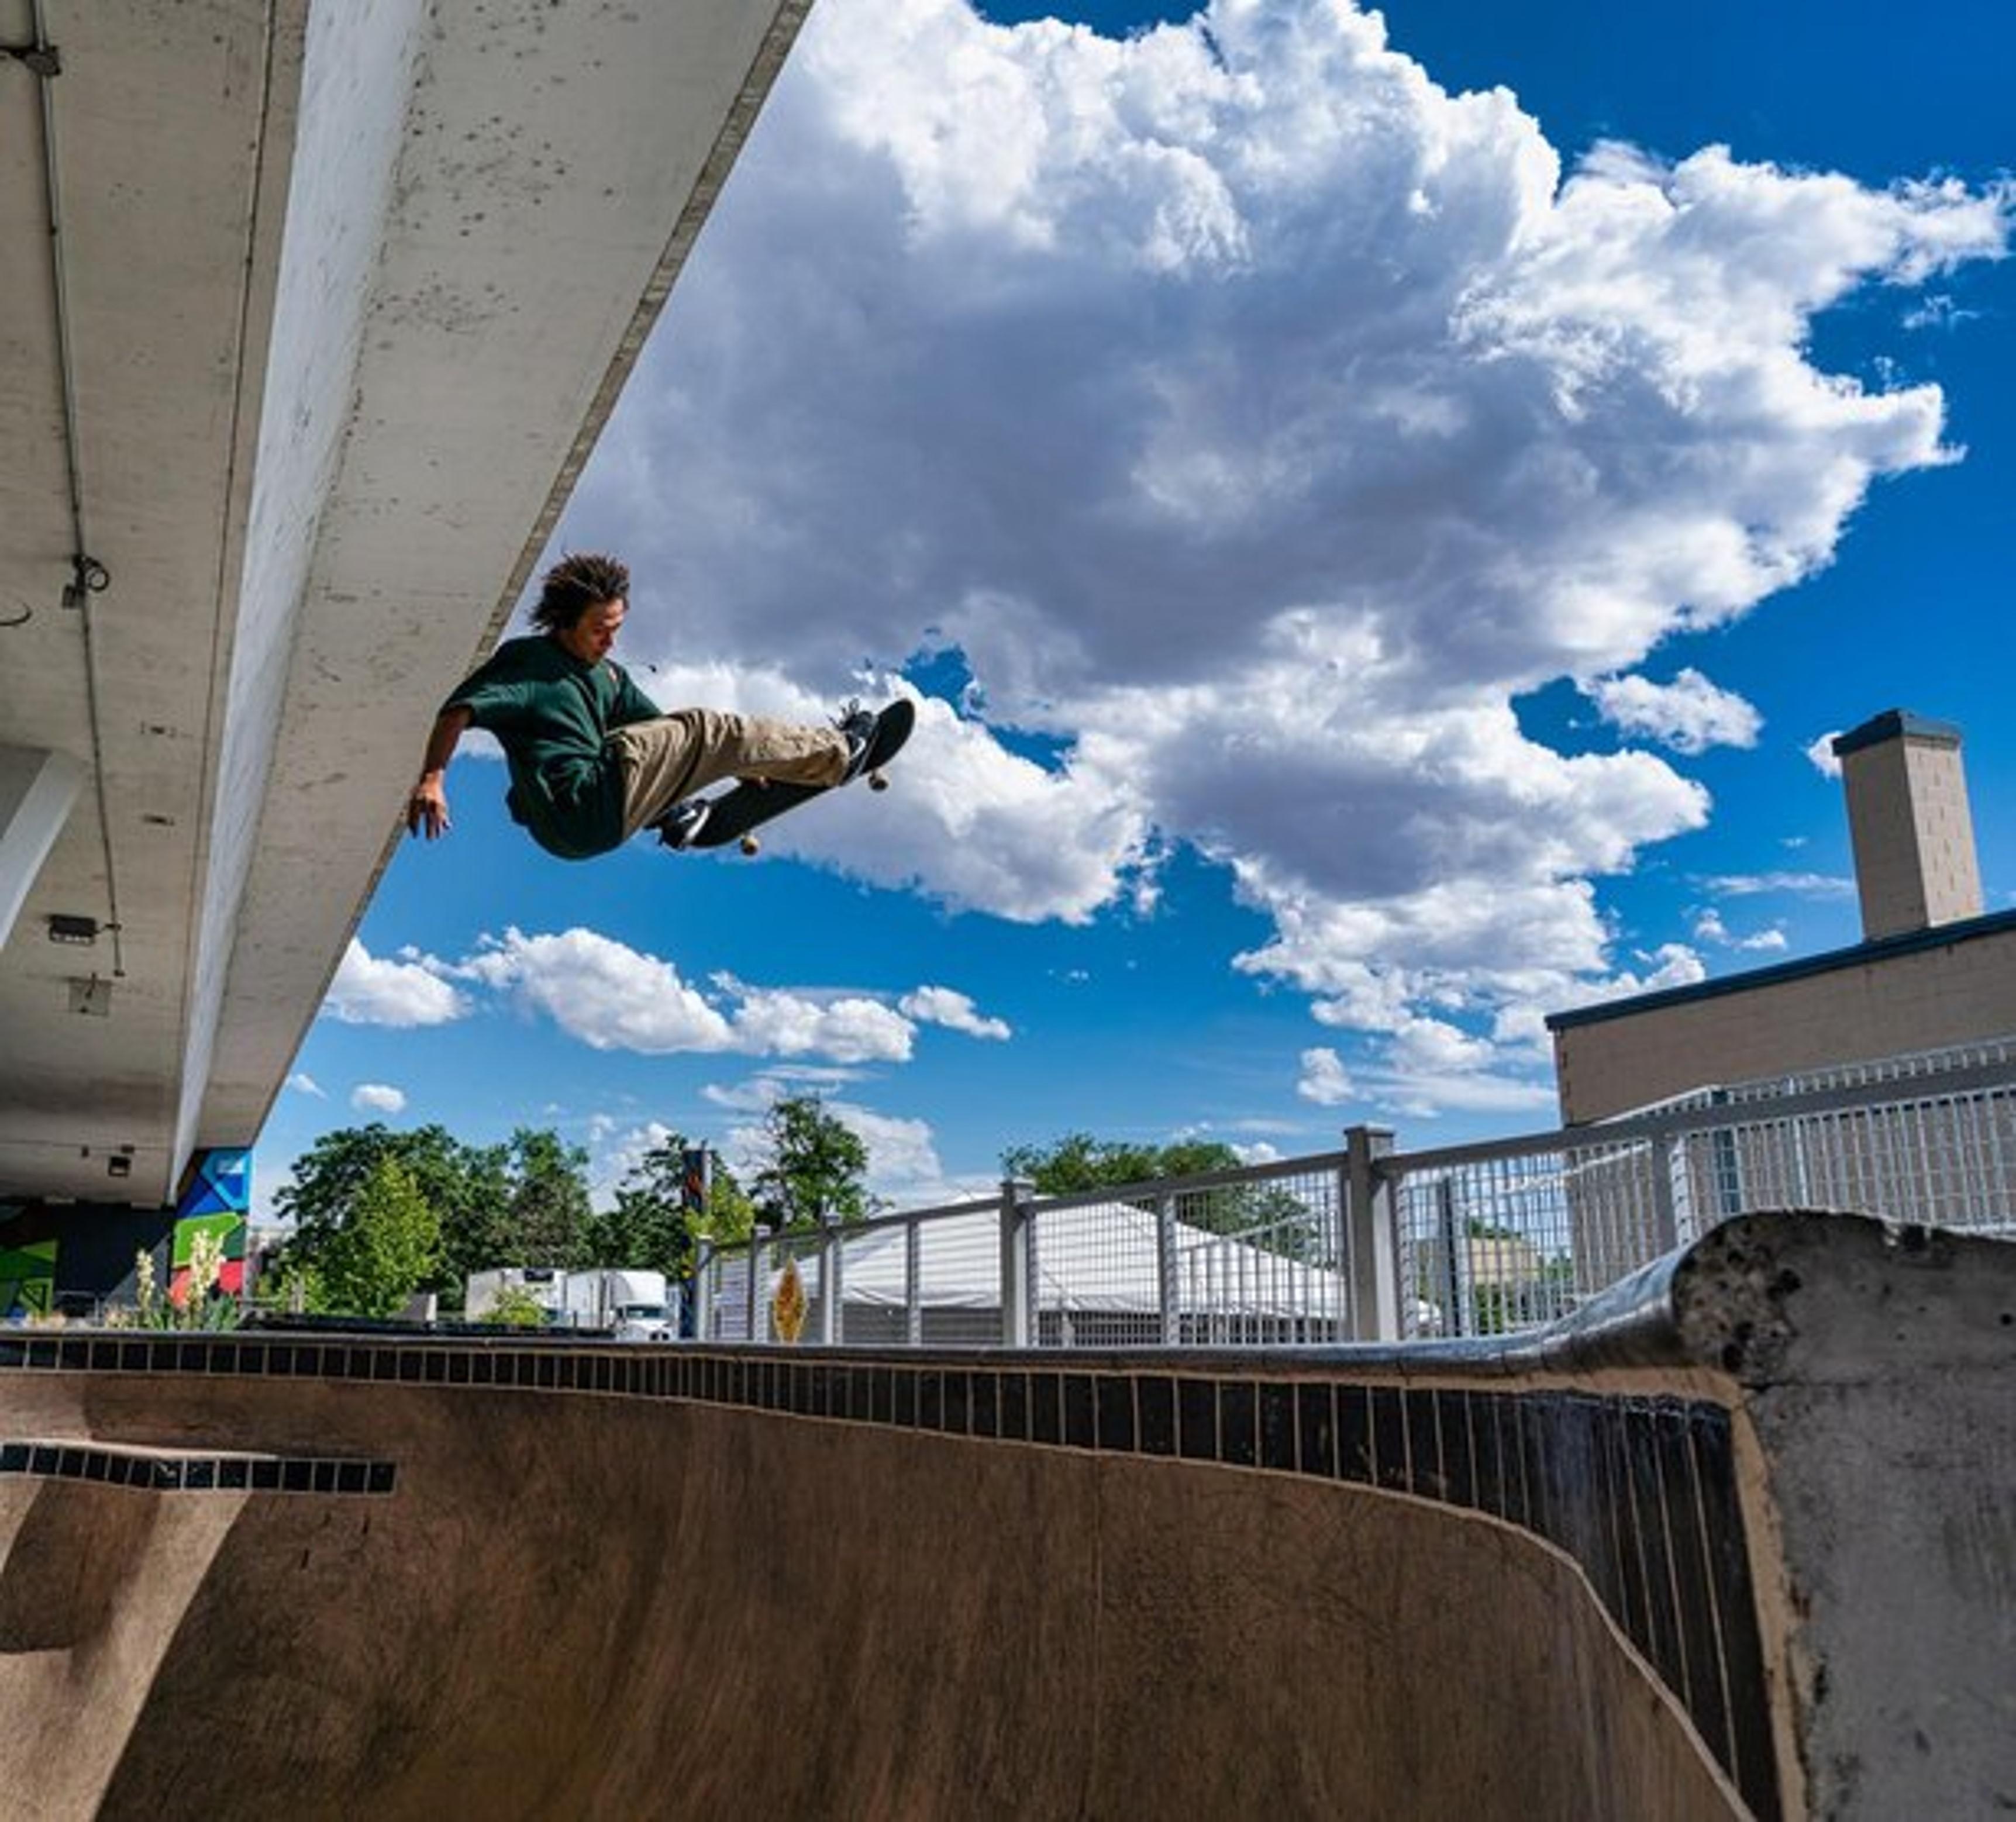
1908,817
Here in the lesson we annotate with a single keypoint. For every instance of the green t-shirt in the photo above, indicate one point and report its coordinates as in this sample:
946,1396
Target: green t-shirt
553,715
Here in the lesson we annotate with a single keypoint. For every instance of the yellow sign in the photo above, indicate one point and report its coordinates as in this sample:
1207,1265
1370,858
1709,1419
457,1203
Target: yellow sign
788,1306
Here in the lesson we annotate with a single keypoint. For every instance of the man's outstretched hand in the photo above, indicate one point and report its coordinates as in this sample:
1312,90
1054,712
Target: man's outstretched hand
427,809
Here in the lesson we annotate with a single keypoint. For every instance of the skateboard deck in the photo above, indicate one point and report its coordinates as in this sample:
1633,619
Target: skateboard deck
734,814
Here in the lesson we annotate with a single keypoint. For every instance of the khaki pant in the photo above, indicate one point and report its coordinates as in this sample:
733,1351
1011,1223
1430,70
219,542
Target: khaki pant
669,759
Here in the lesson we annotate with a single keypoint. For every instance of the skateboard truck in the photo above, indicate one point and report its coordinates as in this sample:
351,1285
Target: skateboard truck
752,847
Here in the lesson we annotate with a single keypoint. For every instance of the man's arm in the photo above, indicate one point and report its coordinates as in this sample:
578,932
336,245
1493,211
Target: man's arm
427,809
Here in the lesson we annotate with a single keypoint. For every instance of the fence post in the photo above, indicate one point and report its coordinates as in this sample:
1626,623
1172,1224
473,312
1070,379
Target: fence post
831,1290
748,1288
913,1284
702,1327
1166,1298
1665,1219
1016,1291
1369,1236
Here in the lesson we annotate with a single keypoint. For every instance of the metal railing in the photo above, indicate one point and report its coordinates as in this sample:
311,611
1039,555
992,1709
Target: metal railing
1369,1244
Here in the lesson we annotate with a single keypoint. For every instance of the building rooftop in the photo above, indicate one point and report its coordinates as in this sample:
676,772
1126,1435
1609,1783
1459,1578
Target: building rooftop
1857,955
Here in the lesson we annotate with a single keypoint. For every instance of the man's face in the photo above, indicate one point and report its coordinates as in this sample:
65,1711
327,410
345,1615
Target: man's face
590,636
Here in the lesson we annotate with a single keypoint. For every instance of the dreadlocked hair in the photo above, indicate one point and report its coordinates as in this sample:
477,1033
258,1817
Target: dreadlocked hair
574,585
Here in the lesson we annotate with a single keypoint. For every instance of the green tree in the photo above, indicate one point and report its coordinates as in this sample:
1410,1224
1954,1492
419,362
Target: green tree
468,1188
649,1226
1267,1215
372,1264
548,1217
817,1167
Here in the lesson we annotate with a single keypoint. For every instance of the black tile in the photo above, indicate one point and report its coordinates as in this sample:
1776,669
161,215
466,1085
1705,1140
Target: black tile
433,1367
121,1470
99,1466
104,1356
1277,1426
1196,1419
42,1459
957,1398
411,1365
70,1463
1046,1422
1459,1458
1755,1770
986,1405
547,1376
1356,1459
1238,1423
1155,1401
1487,1418
324,1479
74,1354
881,1395
458,1364
385,1366
1315,1416
482,1368
903,1398
136,1356
1528,1416
234,1473
1424,1443
1389,1437
167,1476
200,1476
162,1356
1648,1506
351,1477
13,1351
1115,1394
930,1400
296,1476
1081,1417
379,1477
41,1354
266,1476
1012,1404
1694,1593
13,1457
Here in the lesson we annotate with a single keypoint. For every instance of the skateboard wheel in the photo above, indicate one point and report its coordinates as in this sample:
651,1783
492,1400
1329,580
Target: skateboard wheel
750,846
878,782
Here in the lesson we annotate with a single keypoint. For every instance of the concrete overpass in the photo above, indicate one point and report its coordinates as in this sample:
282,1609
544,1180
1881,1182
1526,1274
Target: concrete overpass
310,312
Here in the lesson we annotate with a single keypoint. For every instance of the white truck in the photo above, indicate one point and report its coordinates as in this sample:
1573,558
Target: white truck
631,1303
542,1284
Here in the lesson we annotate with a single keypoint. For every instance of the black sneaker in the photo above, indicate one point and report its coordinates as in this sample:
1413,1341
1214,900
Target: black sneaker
858,724
680,826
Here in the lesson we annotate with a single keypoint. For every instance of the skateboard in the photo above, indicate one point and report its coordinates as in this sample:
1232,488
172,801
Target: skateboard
736,814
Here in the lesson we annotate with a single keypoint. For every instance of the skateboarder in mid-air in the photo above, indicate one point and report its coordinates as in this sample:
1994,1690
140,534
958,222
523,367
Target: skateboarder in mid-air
593,758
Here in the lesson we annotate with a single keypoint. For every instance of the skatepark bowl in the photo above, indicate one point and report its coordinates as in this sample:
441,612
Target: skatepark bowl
1735,1540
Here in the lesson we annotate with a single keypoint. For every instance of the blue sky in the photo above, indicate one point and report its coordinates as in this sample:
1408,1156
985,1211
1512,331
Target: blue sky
1378,526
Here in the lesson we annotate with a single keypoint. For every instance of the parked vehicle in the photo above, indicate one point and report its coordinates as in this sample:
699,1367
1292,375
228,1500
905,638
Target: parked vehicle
630,1304
542,1284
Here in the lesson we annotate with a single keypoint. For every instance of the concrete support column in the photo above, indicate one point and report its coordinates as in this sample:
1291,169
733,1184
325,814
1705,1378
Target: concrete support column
36,789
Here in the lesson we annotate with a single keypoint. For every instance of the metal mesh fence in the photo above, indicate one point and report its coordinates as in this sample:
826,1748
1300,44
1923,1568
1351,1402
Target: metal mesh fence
1482,1239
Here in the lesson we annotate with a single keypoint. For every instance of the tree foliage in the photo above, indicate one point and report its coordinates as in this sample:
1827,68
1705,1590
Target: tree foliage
378,1258
524,1202
650,1225
1265,1215
816,1169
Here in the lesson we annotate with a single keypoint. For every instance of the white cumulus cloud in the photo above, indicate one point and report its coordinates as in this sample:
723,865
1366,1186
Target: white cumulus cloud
955,1011
370,989
1690,714
378,1097
1256,421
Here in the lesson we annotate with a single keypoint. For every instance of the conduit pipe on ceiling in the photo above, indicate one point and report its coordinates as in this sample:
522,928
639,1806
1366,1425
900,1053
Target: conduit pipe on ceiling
88,576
